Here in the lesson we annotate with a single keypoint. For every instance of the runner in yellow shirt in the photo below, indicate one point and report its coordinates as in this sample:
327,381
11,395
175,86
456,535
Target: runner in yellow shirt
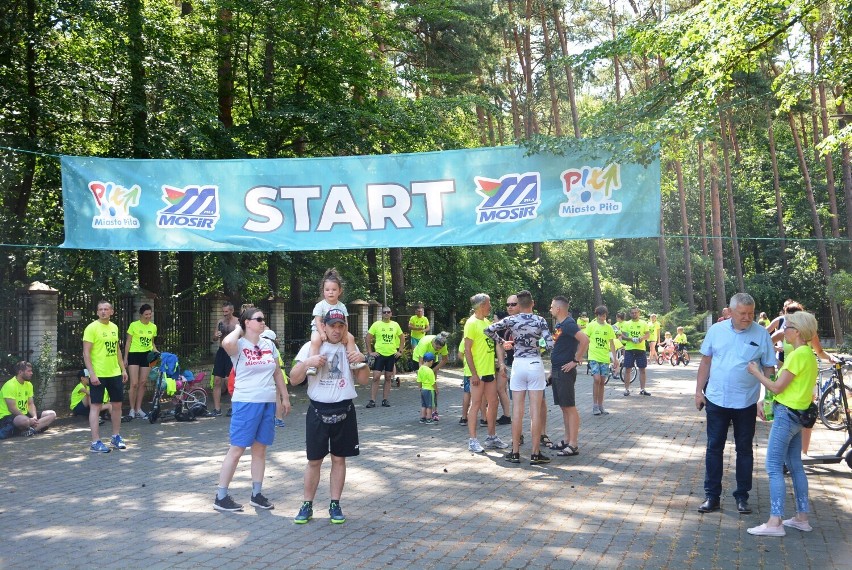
140,341
17,407
418,325
385,336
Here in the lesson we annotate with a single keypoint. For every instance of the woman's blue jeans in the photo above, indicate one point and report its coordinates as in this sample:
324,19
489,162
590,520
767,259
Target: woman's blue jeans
785,447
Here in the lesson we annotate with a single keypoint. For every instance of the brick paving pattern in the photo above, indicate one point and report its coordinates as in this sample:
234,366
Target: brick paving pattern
415,497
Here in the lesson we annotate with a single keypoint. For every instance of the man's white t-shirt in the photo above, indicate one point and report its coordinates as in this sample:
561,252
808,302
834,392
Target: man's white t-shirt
333,382
255,367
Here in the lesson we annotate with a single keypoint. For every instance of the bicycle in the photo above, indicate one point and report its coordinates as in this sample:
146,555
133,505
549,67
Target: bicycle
833,404
634,373
680,355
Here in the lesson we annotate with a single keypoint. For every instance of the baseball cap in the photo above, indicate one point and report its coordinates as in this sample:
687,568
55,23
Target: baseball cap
269,334
429,357
334,316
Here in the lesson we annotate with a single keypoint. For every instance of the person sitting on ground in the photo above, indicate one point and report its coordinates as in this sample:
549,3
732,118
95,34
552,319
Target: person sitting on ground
426,379
81,401
17,407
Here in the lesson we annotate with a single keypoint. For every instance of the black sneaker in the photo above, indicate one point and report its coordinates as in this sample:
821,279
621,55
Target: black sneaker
227,504
512,457
422,420
504,420
261,502
230,413
462,421
539,459
371,404
644,392
483,423
385,404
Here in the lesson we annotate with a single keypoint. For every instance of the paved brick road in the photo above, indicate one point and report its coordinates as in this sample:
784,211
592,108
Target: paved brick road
415,497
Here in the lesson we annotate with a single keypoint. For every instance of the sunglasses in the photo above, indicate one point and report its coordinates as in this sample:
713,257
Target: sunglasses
511,304
258,319
386,312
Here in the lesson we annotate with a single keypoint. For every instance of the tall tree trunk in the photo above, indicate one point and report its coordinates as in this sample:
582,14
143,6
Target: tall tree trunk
684,223
829,166
732,213
716,220
373,273
665,291
225,71
397,279
185,262
551,83
705,246
595,270
297,259
272,263
846,169
821,249
776,184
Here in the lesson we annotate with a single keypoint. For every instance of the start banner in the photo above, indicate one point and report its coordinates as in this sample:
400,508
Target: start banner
460,197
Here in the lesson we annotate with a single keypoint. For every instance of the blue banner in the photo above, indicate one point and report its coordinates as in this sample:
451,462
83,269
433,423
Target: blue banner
462,197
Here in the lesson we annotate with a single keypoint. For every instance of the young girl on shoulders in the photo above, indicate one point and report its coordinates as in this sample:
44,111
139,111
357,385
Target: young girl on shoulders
331,288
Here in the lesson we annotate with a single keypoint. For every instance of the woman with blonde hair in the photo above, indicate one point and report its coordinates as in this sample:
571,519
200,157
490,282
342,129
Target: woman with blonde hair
794,388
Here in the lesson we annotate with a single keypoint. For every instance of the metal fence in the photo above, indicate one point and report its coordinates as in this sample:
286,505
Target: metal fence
14,330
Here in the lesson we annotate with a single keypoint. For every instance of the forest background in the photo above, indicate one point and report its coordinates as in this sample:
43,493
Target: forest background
746,99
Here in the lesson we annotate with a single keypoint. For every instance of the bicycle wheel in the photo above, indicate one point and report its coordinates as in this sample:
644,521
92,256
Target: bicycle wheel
155,403
196,396
674,359
831,411
634,374
660,359
685,358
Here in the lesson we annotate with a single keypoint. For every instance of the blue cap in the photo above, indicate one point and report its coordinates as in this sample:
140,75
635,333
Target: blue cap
429,356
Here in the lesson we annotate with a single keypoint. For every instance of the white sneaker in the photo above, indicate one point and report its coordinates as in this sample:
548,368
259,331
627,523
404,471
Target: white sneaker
141,415
311,371
596,411
474,446
494,442
603,411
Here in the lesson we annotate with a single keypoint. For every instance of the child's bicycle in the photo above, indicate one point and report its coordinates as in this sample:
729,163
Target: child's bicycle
666,354
185,390
634,372
833,403
680,355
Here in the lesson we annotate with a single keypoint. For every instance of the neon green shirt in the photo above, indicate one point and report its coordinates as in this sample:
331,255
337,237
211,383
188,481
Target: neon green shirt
425,345
632,329
599,337
418,322
583,322
426,378
386,337
800,392
463,359
680,338
78,394
143,336
655,331
482,349
14,390
104,339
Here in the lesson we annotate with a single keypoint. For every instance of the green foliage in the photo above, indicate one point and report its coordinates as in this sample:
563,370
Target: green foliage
44,370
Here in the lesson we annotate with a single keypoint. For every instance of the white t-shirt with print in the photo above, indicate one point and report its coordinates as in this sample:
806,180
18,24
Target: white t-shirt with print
321,308
333,382
255,367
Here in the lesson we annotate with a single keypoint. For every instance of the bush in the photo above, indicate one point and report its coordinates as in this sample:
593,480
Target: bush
44,370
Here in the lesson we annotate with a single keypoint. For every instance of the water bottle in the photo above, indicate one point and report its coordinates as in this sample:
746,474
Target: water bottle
768,401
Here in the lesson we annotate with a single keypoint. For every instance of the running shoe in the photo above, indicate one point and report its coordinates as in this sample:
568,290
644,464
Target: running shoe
504,420
462,421
227,504
30,432
99,447
117,443
306,513
644,392
279,422
422,420
474,446
596,411
261,502
385,404
141,415
494,442
371,404
335,513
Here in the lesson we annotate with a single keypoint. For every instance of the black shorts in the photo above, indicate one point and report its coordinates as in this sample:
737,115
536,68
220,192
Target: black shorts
563,387
340,438
80,409
487,378
112,385
222,365
138,359
384,363
635,357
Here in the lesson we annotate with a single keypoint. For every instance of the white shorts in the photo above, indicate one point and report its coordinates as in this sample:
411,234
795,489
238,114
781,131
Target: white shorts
527,374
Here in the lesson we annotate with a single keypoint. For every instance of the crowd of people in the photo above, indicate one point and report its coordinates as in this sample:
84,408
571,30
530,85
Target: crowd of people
503,368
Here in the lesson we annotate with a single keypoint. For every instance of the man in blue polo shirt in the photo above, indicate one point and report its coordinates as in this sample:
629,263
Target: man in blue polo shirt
730,395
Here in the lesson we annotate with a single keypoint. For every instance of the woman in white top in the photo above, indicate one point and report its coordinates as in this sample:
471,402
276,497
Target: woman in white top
257,382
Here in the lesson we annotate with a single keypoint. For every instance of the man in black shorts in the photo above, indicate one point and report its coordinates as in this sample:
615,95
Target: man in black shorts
385,336
568,352
330,423
222,365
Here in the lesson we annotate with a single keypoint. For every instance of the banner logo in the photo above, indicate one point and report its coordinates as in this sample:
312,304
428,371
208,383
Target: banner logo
511,198
589,190
114,202
195,207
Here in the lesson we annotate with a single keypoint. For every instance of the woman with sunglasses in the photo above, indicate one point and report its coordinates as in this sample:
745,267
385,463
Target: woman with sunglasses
257,382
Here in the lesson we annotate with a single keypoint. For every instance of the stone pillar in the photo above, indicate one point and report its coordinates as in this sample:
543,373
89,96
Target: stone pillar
141,297
430,313
375,313
278,318
39,311
360,309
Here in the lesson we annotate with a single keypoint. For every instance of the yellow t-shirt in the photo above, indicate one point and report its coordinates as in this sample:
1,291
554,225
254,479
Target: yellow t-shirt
482,348
418,322
78,394
386,337
599,337
20,393
143,336
631,329
655,331
800,392
104,339
463,359
582,322
680,338
426,378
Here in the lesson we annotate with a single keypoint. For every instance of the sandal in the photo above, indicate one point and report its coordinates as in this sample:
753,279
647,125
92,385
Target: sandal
568,451
545,441
559,446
